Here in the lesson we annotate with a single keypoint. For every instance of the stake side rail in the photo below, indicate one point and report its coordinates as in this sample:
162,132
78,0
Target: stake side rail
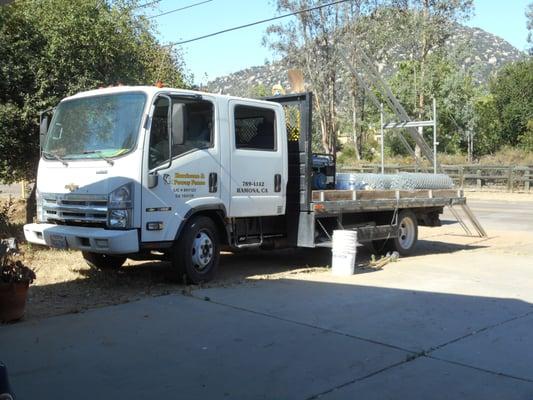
332,202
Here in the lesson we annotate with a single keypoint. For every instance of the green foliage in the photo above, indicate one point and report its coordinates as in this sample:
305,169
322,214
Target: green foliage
55,48
526,137
259,91
487,127
347,156
454,91
512,90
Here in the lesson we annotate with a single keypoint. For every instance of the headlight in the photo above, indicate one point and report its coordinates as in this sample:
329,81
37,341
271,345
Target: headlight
120,205
121,197
119,219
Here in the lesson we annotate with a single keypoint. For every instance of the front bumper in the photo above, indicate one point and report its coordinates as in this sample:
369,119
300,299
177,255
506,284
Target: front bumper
97,240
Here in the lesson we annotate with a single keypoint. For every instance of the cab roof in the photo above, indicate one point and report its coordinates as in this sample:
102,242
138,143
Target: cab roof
151,91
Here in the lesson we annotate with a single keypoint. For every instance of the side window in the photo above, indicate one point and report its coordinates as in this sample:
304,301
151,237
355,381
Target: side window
255,128
197,121
159,134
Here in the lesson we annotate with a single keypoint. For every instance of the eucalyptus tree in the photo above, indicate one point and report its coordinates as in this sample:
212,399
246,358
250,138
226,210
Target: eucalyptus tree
311,42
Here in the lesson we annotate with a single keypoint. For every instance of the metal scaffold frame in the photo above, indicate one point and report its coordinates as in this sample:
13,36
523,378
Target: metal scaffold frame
409,124
369,72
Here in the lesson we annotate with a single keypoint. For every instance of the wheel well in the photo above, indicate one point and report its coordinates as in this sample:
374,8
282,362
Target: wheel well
217,217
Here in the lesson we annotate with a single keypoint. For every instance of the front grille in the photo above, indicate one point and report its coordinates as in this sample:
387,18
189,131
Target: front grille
75,209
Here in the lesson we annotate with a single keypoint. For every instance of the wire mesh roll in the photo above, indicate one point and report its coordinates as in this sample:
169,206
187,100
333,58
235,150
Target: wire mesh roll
348,181
401,181
417,181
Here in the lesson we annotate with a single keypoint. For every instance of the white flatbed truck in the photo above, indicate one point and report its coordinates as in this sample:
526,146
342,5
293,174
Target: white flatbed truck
148,173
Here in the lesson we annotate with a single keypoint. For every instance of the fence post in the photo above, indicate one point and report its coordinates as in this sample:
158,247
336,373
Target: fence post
510,179
478,173
461,177
526,179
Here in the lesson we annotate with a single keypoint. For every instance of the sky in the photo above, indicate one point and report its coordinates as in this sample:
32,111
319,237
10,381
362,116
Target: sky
230,52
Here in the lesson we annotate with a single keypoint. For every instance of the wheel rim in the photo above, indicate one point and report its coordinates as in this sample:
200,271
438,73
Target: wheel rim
406,232
202,251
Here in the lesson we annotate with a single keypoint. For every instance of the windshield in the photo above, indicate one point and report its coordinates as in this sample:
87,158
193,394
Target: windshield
95,127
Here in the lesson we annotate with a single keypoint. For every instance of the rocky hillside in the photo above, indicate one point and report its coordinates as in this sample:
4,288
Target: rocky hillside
474,49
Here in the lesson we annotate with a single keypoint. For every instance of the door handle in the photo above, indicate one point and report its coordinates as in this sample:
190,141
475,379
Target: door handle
213,182
277,183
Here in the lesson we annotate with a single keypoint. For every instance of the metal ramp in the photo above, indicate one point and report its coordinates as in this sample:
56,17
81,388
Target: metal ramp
369,77
470,217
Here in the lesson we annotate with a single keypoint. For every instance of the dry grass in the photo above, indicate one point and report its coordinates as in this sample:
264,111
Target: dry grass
65,283
505,156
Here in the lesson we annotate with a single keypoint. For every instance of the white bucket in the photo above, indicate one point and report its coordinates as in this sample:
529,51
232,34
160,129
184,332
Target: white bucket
344,252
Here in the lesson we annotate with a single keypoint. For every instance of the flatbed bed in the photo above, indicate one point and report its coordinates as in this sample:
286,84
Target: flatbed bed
376,215
348,201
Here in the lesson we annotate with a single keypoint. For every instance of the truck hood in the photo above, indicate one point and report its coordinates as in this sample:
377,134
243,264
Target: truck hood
86,176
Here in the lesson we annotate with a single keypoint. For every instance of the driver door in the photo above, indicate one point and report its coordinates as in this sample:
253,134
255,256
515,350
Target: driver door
182,164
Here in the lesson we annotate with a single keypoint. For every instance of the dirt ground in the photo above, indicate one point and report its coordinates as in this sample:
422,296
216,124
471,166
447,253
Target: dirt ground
65,284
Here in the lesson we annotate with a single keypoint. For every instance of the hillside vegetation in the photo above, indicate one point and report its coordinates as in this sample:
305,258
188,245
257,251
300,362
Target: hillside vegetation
483,85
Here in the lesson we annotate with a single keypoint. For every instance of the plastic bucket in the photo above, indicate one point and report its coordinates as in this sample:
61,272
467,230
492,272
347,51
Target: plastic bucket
344,252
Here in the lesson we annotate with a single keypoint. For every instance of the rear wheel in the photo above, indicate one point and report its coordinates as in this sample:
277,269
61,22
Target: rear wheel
407,233
196,254
103,261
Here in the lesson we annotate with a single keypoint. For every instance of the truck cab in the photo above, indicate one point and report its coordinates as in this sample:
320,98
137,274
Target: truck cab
145,171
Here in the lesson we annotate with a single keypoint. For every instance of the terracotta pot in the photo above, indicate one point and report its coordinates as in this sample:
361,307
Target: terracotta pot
12,301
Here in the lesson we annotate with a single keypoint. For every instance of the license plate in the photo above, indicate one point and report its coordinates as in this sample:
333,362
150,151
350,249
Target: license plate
58,241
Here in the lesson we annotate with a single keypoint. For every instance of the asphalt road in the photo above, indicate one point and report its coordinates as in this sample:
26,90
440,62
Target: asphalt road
504,215
454,325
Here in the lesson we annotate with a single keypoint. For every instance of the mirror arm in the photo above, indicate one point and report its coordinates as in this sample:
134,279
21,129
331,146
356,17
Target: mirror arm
169,131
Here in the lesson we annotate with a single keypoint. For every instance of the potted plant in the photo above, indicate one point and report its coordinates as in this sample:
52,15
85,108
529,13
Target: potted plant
15,278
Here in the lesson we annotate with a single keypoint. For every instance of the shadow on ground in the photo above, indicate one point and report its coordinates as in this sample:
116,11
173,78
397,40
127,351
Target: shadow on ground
95,288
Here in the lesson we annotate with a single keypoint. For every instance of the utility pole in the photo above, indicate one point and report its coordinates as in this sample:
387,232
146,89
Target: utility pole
382,131
435,143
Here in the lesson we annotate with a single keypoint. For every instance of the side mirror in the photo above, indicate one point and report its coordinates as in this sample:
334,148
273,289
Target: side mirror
178,123
152,180
43,127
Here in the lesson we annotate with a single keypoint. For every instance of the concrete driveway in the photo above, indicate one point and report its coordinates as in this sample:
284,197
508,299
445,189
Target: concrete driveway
454,325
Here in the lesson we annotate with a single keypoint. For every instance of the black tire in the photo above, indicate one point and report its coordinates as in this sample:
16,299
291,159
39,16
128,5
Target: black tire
407,233
103,261
196,254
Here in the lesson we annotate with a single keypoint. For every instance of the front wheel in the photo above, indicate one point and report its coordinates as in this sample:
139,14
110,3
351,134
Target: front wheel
407,233
103,261
197,251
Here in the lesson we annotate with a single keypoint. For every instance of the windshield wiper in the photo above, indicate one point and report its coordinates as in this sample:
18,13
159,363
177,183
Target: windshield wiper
99,154
55,157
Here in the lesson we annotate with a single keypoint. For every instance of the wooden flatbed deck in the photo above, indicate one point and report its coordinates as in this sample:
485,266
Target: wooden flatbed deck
350,201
